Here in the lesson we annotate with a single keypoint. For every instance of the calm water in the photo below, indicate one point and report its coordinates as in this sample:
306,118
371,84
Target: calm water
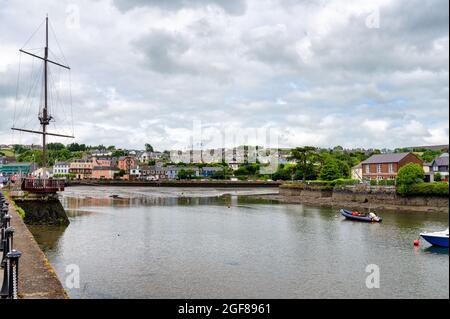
203,243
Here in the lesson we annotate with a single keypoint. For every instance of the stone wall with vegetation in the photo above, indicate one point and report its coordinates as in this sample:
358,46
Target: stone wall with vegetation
386,195
358,196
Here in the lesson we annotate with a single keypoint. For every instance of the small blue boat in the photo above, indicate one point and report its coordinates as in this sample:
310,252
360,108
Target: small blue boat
439,238
371,217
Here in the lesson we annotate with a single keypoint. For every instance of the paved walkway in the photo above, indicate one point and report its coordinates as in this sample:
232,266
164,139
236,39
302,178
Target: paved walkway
1,272
37,279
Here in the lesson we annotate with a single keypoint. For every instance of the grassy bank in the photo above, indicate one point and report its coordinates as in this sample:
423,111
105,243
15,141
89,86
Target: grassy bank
18,209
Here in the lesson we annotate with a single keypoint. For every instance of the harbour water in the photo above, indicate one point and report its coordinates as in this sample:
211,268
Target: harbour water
220,243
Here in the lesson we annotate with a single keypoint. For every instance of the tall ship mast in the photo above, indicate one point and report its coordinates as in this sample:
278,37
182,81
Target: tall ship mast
44,115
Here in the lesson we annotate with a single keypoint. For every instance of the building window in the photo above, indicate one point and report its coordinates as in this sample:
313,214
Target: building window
378,168
367,169
391,168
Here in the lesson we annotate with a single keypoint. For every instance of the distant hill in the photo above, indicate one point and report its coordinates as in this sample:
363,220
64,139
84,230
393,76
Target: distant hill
7,152
429,147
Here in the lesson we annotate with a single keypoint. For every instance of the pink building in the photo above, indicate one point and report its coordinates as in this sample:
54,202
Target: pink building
103,161
103,172
126,163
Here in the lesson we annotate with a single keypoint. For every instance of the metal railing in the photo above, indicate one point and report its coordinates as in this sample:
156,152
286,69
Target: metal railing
38,185
9,257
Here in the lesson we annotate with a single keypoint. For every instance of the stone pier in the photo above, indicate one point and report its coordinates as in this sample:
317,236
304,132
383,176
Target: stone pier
37,279
42,209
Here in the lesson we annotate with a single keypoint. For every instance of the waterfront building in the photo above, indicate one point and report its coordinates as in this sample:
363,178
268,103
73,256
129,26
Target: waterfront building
61,168
104,161
135,173
439,165
104,172
152,173
159,173
357,172
148,156
126,163
386,166
81,168
16,169
172,171
210,171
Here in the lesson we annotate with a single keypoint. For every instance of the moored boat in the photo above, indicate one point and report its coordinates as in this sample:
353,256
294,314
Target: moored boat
439,238
371,217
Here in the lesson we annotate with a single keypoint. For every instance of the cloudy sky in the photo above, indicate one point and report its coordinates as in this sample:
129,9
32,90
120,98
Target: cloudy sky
354,73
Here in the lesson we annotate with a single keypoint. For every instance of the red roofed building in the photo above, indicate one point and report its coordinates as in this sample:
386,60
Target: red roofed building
386,166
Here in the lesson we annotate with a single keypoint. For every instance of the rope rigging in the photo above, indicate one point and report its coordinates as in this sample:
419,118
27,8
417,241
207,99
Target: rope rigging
53,105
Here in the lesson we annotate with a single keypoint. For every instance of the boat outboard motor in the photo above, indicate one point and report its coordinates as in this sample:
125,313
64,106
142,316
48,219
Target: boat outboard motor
374,217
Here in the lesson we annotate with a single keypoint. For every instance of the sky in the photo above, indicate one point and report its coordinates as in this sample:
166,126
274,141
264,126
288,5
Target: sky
372,74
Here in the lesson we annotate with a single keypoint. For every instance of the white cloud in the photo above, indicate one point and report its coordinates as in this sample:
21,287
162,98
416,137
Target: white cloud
142,71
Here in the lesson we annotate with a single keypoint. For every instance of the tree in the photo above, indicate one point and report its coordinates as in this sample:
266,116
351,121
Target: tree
344,168
186,174
429,155
242,171
330,171
119,174
283,173
437,177
409,175
75,147
19,149
118,153
305,158
220,174
55,146
148,148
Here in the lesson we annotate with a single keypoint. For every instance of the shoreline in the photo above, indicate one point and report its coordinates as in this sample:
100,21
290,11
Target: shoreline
369,199
37,278
328,202
206,184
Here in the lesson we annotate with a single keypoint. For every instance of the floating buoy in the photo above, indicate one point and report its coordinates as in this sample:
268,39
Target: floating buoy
416,242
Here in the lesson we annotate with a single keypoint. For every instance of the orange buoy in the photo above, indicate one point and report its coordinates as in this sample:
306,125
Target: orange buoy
416,242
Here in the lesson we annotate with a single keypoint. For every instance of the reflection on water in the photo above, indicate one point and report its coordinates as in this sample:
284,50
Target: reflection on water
209,243
47,236
436,250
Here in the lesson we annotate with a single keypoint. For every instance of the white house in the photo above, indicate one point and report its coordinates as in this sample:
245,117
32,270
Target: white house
147,156
61,168
135,172
440,165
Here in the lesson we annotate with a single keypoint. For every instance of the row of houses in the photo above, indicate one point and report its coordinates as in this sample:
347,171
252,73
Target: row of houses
94,167
109,168
377,167
386,166
156,172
